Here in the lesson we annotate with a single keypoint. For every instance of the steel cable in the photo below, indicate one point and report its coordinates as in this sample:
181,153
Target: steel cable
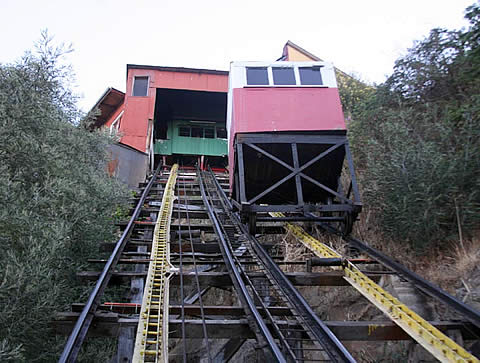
200,300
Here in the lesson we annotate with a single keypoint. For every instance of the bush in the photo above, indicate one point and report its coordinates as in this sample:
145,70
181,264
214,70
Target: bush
57,200
417,138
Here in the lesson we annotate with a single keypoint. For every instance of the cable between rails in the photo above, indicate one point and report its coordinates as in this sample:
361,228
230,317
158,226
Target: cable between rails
242,289
197,282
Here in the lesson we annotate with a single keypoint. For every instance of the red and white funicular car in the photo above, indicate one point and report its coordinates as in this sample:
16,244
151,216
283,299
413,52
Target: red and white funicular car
287,143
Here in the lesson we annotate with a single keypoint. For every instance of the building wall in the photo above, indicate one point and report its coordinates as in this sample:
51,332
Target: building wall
135,121
113,117
128,165
139,111
296,56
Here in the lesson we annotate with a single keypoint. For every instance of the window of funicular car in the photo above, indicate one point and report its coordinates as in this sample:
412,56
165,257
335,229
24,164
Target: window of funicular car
310,75
257,76
283,76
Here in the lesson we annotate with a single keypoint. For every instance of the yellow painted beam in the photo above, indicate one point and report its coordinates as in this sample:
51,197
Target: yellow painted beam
438,344
152,331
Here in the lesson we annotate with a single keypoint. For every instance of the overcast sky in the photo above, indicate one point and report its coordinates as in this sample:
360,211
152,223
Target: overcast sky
363,37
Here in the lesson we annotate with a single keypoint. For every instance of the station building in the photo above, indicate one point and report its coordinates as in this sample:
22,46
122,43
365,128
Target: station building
171,114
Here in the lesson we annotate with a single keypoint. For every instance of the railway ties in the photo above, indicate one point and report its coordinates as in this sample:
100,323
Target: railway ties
161,335
183,213
186,263
195,250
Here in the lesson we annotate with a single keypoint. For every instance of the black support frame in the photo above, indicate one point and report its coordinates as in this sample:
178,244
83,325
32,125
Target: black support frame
348,204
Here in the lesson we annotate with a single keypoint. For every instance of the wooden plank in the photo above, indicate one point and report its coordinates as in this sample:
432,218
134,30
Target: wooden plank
190,309
103,325
222,279
125,344
225,310
126,338
191,262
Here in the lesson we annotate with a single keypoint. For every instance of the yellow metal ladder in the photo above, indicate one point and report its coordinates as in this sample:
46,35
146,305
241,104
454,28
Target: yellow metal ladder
438,344
151,341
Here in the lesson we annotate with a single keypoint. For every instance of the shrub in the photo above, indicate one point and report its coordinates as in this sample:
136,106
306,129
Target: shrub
417,138
57,199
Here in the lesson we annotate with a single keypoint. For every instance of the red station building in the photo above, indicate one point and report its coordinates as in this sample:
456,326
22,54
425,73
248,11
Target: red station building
178,114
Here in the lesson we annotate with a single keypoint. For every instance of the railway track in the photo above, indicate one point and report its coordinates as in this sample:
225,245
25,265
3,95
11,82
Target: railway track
82,325
186,244
304,332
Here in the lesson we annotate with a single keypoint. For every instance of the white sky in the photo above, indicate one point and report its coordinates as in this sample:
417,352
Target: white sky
364,37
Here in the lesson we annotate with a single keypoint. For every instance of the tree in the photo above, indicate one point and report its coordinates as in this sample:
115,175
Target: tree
352,92
418,139
57,199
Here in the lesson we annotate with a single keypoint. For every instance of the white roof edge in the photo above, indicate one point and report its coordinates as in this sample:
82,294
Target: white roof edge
279,63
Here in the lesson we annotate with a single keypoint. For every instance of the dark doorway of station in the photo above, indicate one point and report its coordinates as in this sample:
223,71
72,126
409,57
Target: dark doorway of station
190,127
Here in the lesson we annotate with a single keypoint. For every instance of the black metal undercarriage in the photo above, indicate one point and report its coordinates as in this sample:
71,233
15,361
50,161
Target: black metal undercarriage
296,173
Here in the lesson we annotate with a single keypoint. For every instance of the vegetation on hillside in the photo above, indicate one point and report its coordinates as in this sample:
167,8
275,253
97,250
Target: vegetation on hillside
353,92
416,139
57,200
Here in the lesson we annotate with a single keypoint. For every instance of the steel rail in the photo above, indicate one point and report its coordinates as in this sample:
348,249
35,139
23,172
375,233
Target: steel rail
333,347
220,190
427,287
256,294
237,278
80,330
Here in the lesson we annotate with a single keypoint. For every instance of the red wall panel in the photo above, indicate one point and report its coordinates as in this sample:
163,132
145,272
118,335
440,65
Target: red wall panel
287,109
284,109
134,126
138,110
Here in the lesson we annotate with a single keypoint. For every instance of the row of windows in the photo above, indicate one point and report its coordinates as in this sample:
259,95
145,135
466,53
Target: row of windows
258,76
202,132
284,76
